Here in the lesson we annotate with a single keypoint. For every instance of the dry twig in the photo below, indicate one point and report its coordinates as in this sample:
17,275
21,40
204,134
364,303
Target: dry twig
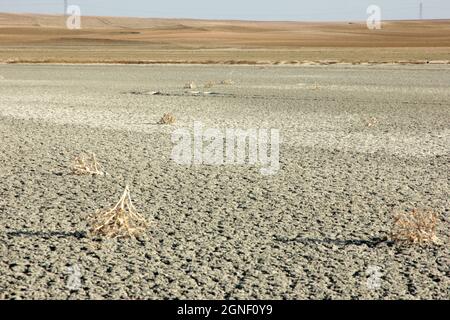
167,118
87,164
226,82
190,85
417,226
120,221
372,122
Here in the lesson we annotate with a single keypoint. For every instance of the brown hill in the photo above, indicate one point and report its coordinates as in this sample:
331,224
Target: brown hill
30,37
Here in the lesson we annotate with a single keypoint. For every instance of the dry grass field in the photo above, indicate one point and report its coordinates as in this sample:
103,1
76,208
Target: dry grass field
45,38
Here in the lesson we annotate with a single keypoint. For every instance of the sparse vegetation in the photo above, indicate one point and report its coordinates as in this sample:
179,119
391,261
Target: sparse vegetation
226,82
120,221
190,85
167,118
87,164
416,226
372,122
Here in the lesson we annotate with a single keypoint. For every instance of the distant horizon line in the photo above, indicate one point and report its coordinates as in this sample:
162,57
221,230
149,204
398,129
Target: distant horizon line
223,19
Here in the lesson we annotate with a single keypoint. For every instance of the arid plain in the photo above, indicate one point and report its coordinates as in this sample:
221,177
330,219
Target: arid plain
359,143
40,38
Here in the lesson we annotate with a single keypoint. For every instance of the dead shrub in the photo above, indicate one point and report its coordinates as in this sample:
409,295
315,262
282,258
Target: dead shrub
416,226
372,122
120,221
87,164
190,85
167,118
226,82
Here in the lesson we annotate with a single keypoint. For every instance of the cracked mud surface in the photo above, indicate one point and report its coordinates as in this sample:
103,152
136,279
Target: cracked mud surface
313,230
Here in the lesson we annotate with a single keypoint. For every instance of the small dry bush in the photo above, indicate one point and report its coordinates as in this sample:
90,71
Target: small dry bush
167,118
190,85
372,122
417,226
120,221
226,82
87,164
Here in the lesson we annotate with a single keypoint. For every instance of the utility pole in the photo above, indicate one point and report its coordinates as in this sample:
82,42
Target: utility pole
421,11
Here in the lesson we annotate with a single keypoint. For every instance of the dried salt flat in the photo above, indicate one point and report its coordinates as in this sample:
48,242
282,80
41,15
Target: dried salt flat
339,182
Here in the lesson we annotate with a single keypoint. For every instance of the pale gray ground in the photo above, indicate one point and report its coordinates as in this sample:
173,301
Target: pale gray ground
314,230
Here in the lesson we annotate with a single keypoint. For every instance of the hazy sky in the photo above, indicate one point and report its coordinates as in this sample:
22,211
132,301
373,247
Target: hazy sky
240,9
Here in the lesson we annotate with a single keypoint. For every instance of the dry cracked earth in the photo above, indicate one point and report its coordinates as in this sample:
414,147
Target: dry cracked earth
358,143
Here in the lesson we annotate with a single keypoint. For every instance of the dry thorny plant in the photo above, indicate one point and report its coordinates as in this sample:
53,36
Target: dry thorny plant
417,226
226,82
190,85
87,164
372,122
167,118
120,221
